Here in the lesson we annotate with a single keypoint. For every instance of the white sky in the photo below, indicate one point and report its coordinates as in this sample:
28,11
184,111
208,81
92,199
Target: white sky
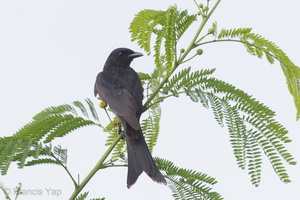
51,52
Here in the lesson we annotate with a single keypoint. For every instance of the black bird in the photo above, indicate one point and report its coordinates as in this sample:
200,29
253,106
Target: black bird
119,85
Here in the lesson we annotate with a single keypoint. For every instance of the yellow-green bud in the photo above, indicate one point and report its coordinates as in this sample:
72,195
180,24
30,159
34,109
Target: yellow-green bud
182,50
199,51
205,8
115,122
102,104
200,5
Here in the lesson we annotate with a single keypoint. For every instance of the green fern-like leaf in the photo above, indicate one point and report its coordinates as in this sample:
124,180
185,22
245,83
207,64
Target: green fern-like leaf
52,122
67,125
82,108
60,154
216,106
25,152
188,184
57,121
42,161
56,155
168,26
175,80
274,150
15,148
119,150
142,27
113,130
55,110
185,79
92,109
98,198
241,113
253,154
259,46
144,76
237,131
234,33
9,147
269,133
151,125
82,196
183,22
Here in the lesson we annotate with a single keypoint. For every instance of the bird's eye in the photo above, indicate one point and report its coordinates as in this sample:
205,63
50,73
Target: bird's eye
121,53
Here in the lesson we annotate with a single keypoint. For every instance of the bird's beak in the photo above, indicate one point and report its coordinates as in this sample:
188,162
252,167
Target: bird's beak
135,55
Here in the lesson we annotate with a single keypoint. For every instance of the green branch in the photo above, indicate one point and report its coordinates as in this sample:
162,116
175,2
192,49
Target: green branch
66,169
98,166
243,42
192,45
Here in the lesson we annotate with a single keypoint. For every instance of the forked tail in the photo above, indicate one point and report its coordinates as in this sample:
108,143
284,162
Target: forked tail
140,159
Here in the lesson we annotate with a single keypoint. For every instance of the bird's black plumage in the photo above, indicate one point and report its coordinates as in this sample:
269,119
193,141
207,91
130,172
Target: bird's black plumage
119,85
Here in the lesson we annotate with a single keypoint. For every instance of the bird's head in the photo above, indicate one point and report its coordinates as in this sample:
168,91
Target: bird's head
121,57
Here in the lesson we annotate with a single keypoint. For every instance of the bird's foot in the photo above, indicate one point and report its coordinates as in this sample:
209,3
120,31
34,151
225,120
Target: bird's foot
120,131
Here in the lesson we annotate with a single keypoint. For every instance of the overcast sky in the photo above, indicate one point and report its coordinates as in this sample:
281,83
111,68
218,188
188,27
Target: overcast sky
51,52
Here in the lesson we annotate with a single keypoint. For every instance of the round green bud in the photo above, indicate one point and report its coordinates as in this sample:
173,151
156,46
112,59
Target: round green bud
182,50
200,5
205,8
115,122
103,104
199,51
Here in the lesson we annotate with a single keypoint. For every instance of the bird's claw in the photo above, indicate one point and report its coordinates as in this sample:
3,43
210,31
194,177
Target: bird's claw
120,131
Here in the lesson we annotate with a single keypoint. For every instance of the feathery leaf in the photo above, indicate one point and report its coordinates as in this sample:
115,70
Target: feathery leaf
259,46
186,183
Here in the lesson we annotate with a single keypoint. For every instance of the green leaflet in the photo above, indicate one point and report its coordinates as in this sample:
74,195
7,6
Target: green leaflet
52,122
10,146
186,183
113,132
167,26
259,46
150,126
53,110
253,154
82,196
42,161
82,108
242,114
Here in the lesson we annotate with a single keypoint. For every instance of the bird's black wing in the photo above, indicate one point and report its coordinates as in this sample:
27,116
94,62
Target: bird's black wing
118,98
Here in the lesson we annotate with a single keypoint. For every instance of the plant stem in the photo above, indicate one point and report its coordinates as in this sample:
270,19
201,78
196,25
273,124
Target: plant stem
5,193
193,43
107,115
95,169
66,169
180,60
245,42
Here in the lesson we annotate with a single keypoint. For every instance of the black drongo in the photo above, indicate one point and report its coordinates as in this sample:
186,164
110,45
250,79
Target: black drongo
119,85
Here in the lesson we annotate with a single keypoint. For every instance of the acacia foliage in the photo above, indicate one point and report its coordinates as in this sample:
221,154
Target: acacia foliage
252,127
